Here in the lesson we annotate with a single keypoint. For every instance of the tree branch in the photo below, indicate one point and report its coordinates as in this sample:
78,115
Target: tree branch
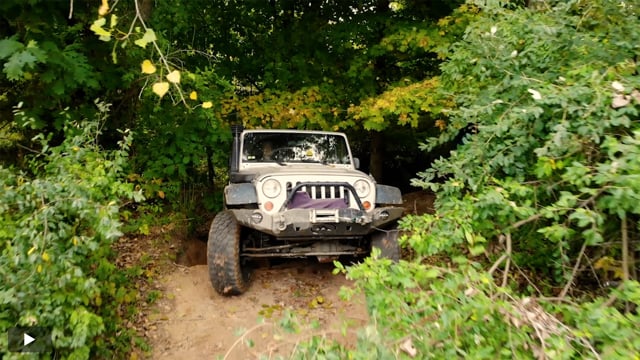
505,274
531,218
625,249
564,291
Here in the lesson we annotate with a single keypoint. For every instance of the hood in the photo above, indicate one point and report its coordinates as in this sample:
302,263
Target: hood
300,170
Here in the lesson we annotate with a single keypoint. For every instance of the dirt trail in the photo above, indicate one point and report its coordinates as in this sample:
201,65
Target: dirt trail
192,321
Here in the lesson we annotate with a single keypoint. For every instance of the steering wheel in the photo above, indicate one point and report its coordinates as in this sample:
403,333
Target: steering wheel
283,153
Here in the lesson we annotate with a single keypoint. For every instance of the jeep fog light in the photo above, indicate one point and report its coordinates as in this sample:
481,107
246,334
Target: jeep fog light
256,218
362,188
271,188
383,215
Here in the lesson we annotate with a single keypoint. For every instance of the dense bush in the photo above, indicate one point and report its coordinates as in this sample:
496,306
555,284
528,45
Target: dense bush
56,228
537,207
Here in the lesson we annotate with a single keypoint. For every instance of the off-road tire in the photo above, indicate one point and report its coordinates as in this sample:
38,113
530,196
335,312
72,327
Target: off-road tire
387,241
226,271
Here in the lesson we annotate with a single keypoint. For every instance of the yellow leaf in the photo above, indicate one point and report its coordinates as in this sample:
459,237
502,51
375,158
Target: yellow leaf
104,8
160,88
174,76
75,240
45,256
207,104
193,95
39,269
33,248
161,194
97,29
114,21
148,67
149,36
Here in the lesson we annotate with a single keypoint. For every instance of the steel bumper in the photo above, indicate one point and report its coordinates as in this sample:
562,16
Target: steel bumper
308,224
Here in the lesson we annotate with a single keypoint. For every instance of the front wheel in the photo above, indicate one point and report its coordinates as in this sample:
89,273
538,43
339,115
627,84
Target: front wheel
226,271
387,242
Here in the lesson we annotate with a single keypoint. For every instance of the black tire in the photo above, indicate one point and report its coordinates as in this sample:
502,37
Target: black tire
387,242
226,271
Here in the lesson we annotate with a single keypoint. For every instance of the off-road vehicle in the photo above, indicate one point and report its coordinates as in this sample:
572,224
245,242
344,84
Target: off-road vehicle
297,193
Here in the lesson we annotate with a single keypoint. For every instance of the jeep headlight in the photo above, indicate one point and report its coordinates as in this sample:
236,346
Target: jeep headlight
362,188
271,188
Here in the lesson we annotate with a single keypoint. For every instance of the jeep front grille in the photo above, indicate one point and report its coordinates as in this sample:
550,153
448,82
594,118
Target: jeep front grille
321,191
324,190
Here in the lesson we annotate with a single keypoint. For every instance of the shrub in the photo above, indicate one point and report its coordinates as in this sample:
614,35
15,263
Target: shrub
56,228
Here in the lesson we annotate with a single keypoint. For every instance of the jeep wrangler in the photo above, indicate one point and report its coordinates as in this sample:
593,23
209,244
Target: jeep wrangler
295,193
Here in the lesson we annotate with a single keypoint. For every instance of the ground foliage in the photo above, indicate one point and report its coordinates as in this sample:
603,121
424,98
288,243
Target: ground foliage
57,224
537,208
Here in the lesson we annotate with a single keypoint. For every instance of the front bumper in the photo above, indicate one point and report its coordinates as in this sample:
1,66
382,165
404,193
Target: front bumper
308,224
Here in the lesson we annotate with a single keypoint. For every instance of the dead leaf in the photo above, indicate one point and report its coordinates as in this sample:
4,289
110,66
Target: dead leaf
620,100
407,347
617,86
535,94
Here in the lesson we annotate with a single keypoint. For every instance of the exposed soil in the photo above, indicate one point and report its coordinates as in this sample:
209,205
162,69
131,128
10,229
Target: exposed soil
191,321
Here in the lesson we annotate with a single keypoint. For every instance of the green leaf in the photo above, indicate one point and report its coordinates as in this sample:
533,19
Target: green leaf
14,68
8,47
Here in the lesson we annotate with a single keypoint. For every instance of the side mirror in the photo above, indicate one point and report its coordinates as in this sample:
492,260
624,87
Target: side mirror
356,162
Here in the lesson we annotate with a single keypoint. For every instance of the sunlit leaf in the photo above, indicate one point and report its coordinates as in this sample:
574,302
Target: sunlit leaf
174,76
97,29
535,94
104,8
114,21
160,88
149,36
617,86
207,104
148,67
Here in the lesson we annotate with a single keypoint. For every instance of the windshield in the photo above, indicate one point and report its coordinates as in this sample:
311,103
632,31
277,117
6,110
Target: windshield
292,147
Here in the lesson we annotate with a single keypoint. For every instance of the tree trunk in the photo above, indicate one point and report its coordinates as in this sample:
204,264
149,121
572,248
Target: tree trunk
211,172
145,9
376,161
